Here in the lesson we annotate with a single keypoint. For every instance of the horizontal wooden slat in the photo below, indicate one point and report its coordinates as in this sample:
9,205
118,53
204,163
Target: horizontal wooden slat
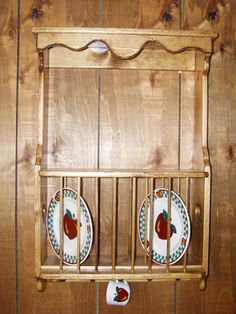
130,277
122,31
148,59
120,173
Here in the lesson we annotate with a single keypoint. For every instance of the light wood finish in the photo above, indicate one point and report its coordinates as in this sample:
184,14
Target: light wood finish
151,223
187,181
38,222
168,225
114,223
138,277
78,222
61,241
219,296
63,38
63,299
160,60
78,38
133,222
146,221
119,55
8,176
97,226
122,173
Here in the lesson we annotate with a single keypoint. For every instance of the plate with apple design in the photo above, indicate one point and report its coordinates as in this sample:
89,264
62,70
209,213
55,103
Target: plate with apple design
69,226
179,226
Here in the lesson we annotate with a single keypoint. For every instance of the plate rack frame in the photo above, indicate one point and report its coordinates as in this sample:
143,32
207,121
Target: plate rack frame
134,49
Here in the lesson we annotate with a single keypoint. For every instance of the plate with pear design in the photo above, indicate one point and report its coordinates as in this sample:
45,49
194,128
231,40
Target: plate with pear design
69,226
179,226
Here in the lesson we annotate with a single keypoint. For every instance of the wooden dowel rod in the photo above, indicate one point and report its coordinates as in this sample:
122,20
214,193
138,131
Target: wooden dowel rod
178,186
146,222
187,181
168,226
78,223
151,222
133,221
61,223
97,182
129,240
163,182
114,223
204,110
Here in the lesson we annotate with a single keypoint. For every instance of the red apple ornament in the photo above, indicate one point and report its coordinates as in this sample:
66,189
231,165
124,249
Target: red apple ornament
121,295
161,226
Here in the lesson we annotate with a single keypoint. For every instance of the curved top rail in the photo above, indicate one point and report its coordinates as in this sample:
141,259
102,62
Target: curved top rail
125,44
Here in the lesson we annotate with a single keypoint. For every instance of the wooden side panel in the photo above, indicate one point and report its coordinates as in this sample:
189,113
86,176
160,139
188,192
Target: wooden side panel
70,109
220,294
8,70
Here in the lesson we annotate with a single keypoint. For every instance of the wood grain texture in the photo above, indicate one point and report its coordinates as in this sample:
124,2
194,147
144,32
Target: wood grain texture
145,296
59,149
8,70
220,294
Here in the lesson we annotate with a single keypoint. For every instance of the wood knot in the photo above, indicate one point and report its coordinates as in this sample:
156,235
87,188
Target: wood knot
166,16
230,153
212,15
152,79
222,48
155,158
36,13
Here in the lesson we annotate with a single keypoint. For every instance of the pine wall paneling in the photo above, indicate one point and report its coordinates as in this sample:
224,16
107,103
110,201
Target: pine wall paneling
8,70
104,104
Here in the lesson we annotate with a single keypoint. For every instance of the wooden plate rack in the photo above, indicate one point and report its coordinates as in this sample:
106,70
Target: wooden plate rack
133,49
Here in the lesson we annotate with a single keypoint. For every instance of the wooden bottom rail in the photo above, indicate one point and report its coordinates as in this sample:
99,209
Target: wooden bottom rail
129,277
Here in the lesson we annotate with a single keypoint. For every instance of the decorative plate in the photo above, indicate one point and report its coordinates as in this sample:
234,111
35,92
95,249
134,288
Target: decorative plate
179,227
69,226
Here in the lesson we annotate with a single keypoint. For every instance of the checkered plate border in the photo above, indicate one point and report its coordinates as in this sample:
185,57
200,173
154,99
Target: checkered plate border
179,204
68,258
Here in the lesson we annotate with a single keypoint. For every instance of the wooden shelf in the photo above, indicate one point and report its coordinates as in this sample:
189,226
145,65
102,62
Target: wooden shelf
51,270
122,173
132,49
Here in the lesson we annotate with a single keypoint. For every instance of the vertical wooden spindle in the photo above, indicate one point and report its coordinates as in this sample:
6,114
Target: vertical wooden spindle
187,207
114,223
162,182
97,182
146,222
151,221
78,223
178,186
168,226
133,222
65,182
61,223
129,240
